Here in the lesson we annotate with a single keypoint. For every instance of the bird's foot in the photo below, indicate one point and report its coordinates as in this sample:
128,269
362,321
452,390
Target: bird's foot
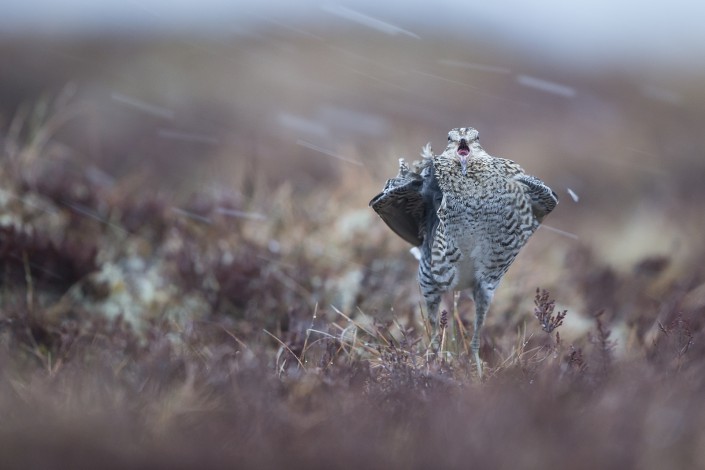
478,363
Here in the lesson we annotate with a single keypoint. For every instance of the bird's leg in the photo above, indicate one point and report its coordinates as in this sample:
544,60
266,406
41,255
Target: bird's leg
433,301
453,329
483,297
456,300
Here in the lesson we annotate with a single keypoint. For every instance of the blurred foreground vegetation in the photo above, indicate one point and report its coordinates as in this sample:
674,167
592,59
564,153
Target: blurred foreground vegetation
190,274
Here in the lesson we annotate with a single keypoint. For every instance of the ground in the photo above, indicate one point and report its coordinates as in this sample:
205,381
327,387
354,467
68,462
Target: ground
191,274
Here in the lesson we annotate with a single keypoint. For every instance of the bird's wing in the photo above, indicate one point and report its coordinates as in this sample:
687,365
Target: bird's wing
401,205
543,199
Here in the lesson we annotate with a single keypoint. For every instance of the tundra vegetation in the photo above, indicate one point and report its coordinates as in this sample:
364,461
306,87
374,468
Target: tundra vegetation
190,274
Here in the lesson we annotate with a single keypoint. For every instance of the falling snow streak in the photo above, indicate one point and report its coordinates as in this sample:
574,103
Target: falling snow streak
143,106
301,124
315,147
560,232
36,266
91,214
475,66
366,20
191,215
546,86
240,214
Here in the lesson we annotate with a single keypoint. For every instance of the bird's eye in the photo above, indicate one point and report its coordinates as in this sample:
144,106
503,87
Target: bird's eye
449,139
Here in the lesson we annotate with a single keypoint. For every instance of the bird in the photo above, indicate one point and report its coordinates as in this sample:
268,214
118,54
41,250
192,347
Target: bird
470,214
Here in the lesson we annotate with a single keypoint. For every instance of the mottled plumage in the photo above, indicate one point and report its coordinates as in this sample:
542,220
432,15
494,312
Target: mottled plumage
470,213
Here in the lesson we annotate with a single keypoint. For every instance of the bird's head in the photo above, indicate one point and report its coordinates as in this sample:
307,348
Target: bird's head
461,143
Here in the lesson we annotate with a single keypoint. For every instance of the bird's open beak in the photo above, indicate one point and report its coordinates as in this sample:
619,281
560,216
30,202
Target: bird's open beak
463,153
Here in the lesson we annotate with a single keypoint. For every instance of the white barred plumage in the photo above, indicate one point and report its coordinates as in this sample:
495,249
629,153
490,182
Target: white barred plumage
470,213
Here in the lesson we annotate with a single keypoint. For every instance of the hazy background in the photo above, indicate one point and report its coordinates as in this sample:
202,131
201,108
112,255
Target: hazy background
604,101
585,33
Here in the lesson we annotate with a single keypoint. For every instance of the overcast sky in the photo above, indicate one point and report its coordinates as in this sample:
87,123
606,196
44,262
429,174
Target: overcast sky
671,33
